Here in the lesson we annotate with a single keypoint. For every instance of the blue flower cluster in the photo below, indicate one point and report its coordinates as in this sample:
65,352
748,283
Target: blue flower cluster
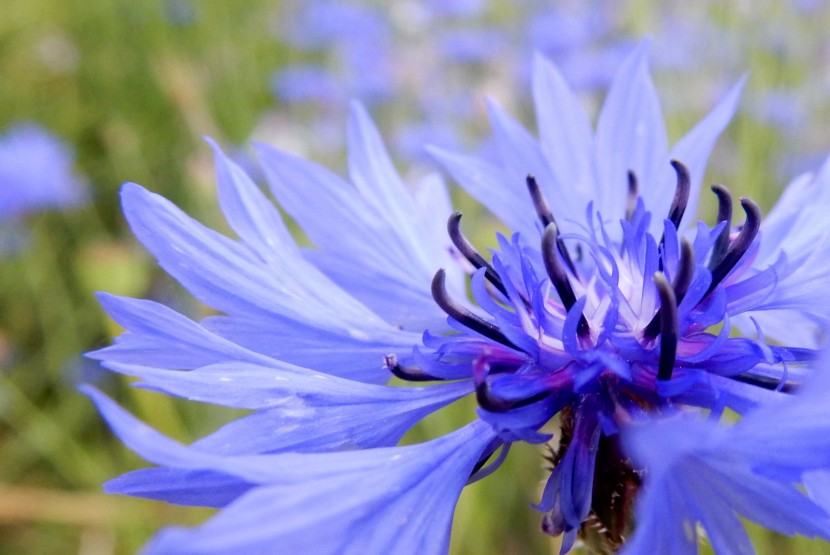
610,311
35,172
421,60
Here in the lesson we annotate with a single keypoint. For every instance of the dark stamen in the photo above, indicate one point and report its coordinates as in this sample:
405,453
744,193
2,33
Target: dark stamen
464,316
633,189
546,217
724,215
681,193
766,382
539,202
495,404
406,374
668,327
471,254
682,281
557,274
685,270
740,245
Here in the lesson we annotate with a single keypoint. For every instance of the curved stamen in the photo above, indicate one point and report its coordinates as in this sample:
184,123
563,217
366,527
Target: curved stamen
491,403
724,215
471,254
682,281
546,217
464,316
681,193
685,270
766,382
740,245
480,471
406,374
539,201
668,327
557,274
633,190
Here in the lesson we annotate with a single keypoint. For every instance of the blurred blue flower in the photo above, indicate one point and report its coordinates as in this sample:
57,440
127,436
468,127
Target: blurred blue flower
307,83
322,23
609,307
472,46
36,172
426,55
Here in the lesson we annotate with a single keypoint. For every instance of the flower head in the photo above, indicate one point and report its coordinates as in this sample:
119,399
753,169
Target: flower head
608,308
35,172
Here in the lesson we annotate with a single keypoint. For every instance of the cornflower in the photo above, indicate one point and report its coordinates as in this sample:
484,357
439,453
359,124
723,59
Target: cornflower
603,313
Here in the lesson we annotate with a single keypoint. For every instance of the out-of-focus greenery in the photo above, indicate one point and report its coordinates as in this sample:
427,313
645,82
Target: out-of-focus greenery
133,86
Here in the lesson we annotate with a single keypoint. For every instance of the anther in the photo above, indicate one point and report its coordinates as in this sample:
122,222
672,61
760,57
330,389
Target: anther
740,245
464,316
668,327
633,190
557,274
539,202
682,281
681,193
471,254
546,217
685,270
724,215
406,374
491,403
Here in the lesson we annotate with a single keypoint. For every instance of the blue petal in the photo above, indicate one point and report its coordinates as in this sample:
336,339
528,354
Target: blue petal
228,276
159,336
395,500
521,156
196,488
356,355
798,219
249,212
694,148
566,140
490,185
318,427
251,386
380,186
630,136
703,473
370,231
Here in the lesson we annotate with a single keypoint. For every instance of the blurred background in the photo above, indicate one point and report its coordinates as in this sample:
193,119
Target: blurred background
108,91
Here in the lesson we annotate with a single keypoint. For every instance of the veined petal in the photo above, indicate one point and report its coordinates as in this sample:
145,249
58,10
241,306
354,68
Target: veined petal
694,148
566,139
249,213
398,500
698,476
490,185
797,220
356,354
159,336
321,427
230,277
380,186
630,136
194,488
521,156
251,386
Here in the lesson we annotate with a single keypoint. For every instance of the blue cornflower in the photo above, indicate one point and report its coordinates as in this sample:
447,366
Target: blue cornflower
602,310
36,172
